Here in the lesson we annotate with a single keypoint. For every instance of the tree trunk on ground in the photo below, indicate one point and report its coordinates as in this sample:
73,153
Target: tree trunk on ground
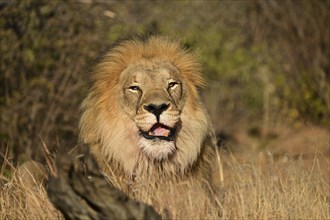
84,193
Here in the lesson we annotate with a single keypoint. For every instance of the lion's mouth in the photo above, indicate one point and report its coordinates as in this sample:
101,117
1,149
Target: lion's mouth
159,131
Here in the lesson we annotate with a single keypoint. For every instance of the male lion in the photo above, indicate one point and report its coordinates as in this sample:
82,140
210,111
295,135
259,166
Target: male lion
143,118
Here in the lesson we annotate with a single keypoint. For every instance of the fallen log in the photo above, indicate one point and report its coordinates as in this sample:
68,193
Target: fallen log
84,193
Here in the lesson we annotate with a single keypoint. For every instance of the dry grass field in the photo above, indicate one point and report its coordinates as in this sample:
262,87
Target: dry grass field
268,189
255,186
267,67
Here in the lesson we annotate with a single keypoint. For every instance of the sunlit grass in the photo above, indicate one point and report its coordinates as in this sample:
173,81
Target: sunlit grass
262,188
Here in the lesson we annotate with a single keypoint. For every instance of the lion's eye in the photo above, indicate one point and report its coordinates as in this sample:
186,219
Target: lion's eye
134,88
172,85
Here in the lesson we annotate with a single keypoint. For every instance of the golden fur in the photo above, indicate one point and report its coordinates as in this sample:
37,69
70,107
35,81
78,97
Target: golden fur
112,133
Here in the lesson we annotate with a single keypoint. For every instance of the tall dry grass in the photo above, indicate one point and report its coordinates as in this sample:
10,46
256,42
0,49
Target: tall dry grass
283,189
20,202
260,188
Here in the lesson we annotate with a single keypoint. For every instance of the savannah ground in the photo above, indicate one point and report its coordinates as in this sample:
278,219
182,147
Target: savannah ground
267,67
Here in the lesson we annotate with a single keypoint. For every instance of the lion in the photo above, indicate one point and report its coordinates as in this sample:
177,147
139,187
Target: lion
143,118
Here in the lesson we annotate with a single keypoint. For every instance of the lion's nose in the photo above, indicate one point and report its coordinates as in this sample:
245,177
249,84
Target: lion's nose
156,109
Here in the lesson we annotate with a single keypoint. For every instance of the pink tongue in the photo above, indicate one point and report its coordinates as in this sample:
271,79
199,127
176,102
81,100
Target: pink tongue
161,132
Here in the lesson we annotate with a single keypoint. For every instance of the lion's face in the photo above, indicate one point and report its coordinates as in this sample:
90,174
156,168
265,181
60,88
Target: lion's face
153,97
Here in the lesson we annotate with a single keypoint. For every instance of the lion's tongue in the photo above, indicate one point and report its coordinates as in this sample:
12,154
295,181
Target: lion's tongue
160,131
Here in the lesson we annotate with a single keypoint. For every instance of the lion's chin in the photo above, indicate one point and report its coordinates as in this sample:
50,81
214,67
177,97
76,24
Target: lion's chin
157,149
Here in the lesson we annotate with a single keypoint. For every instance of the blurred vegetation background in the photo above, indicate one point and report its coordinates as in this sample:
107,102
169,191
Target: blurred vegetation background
266,62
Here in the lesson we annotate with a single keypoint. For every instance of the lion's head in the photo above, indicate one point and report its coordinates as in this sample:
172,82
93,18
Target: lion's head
143,108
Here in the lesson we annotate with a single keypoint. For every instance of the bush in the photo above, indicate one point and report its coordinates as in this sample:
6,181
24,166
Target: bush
46,47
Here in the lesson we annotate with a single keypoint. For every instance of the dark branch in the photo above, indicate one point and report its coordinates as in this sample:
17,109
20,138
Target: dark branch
85,194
